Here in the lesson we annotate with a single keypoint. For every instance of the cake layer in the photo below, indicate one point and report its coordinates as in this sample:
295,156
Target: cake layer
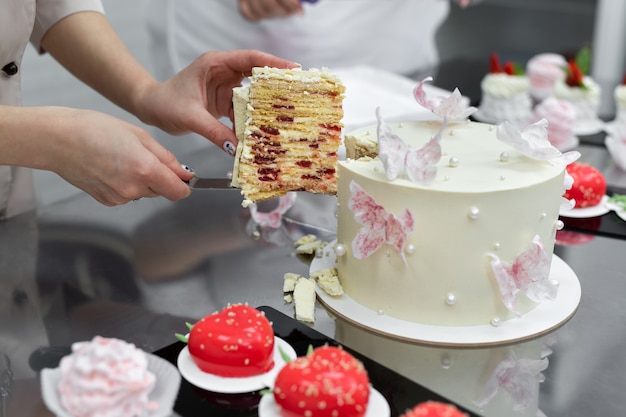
291,134
486,199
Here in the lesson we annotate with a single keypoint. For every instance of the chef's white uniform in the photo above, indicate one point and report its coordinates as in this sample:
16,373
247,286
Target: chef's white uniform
395,35
21,328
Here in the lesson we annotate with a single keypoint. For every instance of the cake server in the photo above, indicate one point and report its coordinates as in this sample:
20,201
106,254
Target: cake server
198,183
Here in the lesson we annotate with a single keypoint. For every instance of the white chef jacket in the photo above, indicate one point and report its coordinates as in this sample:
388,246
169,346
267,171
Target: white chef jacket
394,35
21,21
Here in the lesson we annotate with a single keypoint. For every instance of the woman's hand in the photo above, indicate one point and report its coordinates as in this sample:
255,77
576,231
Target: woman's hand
255,10
112,160
195,98
116,162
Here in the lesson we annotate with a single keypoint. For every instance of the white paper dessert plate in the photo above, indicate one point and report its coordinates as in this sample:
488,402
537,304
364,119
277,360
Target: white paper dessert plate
224,385
543,319
164,392
377,406
587,212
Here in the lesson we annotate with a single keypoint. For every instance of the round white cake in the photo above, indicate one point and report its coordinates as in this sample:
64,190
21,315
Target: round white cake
487,201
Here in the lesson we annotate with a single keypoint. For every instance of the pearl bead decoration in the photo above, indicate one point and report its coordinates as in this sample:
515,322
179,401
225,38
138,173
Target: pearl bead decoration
504,156
496,322
380,312
446,361
496,246
340,249
410,249
450,299
256,235
454,162
560,225
473,213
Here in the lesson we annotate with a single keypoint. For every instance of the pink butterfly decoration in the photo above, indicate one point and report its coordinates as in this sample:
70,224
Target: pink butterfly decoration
420,165
533,142
273,218
378,226
448,108
518,377
528,274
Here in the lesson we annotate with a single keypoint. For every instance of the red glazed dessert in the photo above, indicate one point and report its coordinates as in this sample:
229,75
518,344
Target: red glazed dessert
327,382
235,342
434,409
589,185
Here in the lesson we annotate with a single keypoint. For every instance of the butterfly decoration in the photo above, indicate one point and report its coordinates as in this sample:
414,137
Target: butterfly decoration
528,274
448,108
518,377
533,142
419,164
273,218
378,226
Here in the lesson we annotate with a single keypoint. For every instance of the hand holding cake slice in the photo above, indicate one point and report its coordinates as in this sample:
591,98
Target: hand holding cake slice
288,123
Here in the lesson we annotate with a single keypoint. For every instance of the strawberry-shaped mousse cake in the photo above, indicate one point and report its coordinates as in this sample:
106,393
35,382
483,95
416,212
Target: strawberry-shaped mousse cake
327,382
235,342
434,409
589,185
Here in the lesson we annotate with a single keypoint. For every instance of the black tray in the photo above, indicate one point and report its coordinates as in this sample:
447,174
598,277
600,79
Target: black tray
400,392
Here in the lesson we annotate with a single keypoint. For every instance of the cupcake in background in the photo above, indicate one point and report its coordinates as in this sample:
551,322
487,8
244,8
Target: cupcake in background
583,92
561,116
543,71
615,142
505,94
620,102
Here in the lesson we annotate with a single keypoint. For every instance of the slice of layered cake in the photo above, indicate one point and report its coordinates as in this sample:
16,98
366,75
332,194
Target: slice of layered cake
288,123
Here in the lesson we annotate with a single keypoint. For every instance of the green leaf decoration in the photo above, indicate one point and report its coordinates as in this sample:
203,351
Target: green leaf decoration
181,337
266,391
189,325
284,355
619,200
583,60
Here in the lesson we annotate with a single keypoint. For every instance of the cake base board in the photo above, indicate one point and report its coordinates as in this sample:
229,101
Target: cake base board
545,318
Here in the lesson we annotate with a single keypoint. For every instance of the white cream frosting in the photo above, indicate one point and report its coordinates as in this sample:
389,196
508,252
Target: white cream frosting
106,378
487,198
504,85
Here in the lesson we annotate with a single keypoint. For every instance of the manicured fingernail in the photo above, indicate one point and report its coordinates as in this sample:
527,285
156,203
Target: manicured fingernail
229,148
186,168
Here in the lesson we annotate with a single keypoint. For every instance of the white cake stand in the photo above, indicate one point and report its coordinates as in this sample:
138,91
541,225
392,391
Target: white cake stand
544,318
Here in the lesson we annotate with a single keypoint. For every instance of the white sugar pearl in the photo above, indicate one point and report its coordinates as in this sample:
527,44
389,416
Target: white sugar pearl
450,299
454,162
340,249
504,156
410,249
473,213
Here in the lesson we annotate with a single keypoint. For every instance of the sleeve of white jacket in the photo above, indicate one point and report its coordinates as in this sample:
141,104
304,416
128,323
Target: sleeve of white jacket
50,12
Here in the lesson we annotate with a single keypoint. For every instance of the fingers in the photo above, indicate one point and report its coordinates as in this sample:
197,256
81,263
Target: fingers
255,10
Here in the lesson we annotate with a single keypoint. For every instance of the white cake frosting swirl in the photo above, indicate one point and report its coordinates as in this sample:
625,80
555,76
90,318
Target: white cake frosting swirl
544,70
561,116
106,378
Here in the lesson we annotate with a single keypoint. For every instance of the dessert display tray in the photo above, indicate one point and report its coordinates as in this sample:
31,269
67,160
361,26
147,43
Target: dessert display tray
400,392
543,319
